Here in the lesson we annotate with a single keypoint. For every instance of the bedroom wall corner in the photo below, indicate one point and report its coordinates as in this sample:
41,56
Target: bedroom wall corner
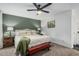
61,34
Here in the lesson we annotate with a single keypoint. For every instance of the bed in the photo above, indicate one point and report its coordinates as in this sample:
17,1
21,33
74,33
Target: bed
36,39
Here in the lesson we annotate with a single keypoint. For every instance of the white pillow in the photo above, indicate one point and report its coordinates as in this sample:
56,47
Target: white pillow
20,32
33,32
25,32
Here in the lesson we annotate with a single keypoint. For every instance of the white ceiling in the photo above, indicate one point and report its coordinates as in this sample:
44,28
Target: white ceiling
20,9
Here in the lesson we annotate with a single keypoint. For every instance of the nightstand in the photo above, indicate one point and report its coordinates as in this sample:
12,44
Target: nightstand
8,41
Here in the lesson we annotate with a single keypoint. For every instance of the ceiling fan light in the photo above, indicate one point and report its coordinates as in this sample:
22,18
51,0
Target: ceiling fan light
39,12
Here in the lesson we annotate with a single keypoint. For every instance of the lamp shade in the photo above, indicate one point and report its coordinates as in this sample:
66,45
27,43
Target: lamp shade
10,28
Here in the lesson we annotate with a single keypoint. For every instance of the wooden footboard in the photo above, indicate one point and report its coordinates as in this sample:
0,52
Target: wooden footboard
38,48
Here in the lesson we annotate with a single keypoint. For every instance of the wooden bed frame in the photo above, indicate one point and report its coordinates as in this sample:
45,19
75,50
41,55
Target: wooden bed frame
38,48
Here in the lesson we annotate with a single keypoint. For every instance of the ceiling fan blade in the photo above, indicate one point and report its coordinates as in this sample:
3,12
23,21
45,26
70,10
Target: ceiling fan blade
46,5
32,10
45,11
35,5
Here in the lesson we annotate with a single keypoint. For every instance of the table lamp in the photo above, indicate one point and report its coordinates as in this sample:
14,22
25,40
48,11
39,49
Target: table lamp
9,28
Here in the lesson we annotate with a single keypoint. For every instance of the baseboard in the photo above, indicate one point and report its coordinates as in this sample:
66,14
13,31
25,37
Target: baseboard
61,42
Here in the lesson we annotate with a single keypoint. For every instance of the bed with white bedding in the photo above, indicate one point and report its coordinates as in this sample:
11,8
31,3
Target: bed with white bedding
36,39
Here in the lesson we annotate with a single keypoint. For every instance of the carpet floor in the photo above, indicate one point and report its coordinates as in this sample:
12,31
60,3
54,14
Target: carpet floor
55,50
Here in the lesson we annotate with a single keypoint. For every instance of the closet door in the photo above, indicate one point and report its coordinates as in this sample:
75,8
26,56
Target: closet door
1,31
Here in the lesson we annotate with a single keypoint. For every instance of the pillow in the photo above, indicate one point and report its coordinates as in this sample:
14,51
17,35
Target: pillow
28,32
25,32
20,32
33,32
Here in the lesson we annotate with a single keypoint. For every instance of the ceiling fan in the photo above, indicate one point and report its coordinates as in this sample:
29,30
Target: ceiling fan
40,8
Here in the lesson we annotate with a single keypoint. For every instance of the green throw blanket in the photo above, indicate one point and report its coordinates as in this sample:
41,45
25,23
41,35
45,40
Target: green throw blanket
22,47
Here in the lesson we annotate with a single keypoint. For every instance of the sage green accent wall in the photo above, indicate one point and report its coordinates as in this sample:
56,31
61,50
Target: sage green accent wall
20,22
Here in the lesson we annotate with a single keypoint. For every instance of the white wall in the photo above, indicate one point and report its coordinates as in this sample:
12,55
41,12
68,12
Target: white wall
1,31
61,34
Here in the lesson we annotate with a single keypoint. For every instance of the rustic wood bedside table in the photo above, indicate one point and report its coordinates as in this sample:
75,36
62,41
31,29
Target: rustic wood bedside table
8,41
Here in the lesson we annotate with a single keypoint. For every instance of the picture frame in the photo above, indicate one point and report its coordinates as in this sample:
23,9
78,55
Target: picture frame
51,24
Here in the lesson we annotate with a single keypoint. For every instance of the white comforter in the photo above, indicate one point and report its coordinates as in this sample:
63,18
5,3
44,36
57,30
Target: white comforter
35,39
